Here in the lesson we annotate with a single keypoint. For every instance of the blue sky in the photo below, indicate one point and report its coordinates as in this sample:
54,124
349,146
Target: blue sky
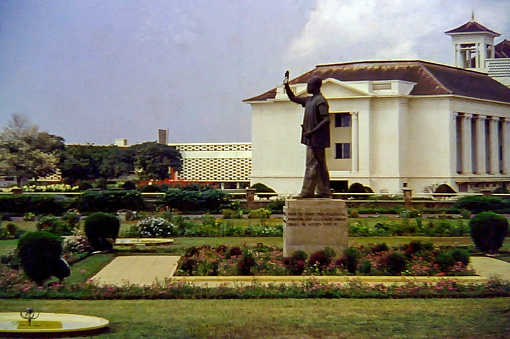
92,71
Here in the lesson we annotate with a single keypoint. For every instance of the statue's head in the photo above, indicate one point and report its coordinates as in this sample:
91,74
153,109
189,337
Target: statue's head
314,84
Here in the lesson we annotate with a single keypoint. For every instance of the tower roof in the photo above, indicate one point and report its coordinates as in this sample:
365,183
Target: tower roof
430,78
472,27
502,49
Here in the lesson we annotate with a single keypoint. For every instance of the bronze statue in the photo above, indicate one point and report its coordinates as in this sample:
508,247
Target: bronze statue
315,135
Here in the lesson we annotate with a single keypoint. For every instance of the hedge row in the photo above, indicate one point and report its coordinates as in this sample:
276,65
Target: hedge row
112,201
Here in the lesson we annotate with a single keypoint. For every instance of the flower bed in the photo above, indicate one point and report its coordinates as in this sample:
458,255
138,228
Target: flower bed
13,284
414,259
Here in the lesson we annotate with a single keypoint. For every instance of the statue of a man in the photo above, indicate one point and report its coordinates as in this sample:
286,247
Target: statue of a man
315,135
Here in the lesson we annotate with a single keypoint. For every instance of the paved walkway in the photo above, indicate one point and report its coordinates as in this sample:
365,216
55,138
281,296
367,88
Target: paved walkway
489,267
148,269
137,270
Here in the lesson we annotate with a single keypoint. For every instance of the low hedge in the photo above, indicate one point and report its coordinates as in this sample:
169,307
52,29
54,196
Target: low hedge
38,204
110,201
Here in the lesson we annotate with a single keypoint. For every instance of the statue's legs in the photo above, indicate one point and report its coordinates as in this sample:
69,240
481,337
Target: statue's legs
316,174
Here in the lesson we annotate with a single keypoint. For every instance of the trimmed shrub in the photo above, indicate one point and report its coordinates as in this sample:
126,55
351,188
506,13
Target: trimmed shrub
187,200
395,263
358,188
488,231
319,260
477,204
150,189
261,213
72,219
445,191
84,185
40,253
102,229
110,201
261,188
350,259
129,185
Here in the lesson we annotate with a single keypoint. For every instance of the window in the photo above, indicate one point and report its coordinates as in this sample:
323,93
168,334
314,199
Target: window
342,120
343,151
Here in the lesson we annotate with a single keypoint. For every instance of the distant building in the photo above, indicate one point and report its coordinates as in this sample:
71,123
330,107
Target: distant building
226,164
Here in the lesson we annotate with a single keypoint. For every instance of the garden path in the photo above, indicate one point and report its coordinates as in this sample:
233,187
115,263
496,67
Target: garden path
145,270
489,267
137,270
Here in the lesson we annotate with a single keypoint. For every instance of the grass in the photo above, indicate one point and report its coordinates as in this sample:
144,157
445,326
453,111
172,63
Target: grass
289,318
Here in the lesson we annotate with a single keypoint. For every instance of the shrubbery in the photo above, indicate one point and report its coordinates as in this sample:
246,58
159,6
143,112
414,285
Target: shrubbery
211,200
40,253
38,204
102,229
488,231
153,227
52,224
110,201
477,204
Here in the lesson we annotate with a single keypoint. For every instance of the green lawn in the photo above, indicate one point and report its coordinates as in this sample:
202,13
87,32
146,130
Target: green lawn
289,318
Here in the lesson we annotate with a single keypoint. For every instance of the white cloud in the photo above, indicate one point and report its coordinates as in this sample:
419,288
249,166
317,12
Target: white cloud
341,31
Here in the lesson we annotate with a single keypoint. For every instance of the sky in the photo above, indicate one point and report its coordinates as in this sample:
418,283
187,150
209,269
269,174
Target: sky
92,71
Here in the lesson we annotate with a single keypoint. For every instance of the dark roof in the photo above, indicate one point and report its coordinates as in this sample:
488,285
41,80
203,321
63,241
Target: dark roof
502,50
430,78
472,27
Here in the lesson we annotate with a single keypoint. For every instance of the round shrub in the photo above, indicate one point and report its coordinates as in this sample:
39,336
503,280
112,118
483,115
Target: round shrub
84,185
357,188
150,189
319,260
154,227
395,263
40,253
129,185
488,231
350,259
102,229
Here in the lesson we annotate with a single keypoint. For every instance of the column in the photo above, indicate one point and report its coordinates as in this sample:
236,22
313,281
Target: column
466,144
506,146
481,167
493,146
354,142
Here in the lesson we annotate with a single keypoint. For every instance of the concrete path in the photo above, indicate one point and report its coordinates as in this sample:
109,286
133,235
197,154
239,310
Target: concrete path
137,270
489,267
146,270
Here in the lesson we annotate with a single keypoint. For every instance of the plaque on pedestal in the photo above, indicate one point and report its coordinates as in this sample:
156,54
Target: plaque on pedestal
314,224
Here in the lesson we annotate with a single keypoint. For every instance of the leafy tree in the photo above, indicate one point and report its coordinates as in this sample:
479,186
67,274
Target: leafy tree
153,160
27,152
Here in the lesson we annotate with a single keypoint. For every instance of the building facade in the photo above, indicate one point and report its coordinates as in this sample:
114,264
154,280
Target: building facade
226,164
394,124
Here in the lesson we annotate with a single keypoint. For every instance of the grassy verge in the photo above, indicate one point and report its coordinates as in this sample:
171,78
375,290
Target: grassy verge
289,318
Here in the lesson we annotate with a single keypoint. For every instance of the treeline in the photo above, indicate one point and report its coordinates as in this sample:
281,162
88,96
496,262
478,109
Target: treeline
149,160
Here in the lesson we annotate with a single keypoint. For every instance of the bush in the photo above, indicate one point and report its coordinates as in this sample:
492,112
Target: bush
261,188
54,225
129,185
477,204
150,189
488,231
102,229
319,260
110,201
40,253
261,213
72,219
154,227
350,259
395,263
501,190
193,201
84,185
47,204
358,188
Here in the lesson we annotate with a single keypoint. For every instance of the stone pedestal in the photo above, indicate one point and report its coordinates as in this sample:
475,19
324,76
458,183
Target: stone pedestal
311,225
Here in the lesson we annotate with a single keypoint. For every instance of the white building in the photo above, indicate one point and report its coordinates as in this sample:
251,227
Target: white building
225,164
394,124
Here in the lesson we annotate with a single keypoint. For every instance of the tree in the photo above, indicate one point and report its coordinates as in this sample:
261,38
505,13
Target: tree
153,160
26,152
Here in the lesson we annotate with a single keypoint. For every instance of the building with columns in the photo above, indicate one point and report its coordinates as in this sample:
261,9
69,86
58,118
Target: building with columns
395,124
